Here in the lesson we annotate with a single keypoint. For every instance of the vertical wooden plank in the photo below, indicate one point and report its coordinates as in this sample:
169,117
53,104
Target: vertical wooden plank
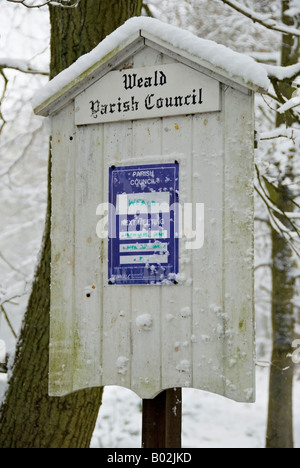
117,319
238,246
147,299
208,297
62,253
88,278
146,340
176,306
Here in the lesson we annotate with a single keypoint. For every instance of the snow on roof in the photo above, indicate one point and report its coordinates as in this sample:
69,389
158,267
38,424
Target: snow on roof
238,67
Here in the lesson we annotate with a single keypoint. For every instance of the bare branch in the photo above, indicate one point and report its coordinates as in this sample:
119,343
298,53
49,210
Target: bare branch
148,11
7,171
264,20
291,234
280,99
11,266
8,321
22,66
36,4
8,299
2,119
291,133
263,265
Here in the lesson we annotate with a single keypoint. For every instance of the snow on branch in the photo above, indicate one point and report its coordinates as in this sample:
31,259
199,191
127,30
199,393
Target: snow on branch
291,133
21,65
39,4
290,104
283,73
291,76
287,226
263,19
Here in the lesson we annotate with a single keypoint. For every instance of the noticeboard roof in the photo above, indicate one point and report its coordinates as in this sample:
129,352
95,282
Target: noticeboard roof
133,36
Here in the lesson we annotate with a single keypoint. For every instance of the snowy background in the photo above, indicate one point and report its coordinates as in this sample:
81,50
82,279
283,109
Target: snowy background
208,420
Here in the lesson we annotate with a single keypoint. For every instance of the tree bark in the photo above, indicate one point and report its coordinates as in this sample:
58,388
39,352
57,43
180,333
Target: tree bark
289,56
75,32
29,418
280,414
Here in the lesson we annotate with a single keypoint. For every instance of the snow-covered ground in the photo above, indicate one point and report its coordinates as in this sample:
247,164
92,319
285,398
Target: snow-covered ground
209,421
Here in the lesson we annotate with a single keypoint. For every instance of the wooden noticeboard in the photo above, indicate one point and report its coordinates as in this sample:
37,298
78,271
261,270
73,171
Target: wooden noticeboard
161,296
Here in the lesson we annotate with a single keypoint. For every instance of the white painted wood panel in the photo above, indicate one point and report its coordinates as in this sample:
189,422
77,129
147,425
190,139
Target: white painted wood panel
62,253
208,293
176,307
146,340
239,343
117,310
198,333
88,275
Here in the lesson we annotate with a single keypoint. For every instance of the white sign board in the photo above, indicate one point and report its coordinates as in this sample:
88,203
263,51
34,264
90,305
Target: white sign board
141,93
161,156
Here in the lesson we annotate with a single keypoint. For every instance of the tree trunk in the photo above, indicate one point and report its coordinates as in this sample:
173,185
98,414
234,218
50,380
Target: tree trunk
29,418
289,56
75,32
280,416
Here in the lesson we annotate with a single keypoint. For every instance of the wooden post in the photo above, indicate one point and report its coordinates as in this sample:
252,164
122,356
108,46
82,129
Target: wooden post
162,420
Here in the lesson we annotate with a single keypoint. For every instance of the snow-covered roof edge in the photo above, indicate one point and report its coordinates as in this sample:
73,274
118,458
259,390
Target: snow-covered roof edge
239,67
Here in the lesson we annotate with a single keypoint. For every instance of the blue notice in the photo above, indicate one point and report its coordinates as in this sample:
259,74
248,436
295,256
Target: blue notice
143,245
